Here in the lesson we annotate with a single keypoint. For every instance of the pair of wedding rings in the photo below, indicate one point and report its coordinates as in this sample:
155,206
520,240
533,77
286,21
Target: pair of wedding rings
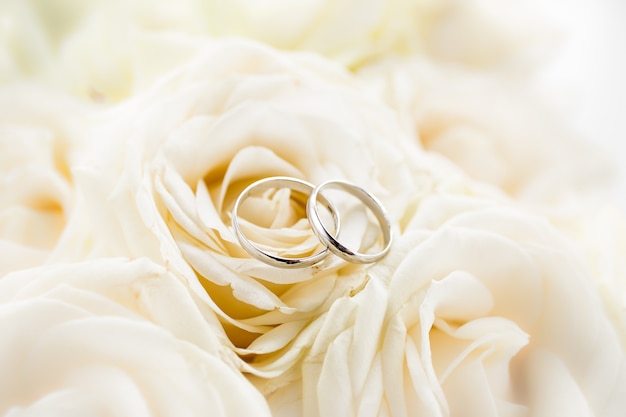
329,238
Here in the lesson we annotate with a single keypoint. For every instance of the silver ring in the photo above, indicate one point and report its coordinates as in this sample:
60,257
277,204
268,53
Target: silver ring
329,240
294,184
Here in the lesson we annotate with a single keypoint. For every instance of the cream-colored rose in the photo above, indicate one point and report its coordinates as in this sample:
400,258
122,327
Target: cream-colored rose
95,47
480,310
491,127
603,237
476,33
80,339
173,161
42,134
90,47
25,48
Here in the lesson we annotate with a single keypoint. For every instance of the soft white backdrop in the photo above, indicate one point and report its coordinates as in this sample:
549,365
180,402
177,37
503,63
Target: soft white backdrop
588,73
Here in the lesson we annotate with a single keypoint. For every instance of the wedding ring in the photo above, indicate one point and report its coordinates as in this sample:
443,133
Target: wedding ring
330,241
293,184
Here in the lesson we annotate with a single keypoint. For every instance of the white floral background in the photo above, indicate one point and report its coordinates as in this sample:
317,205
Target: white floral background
586,74
127,131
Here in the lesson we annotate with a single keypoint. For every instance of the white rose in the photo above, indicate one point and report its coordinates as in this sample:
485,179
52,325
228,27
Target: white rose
480,310
476,33
42,134
76,341
89,47
491,127
25,48
488,34
118,30
603,237
94,47
174,160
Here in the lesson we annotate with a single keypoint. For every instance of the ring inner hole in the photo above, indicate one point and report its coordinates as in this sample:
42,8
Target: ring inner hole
275,220
273,208
360,230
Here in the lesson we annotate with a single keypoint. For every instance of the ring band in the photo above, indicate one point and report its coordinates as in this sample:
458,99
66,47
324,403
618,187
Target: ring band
294,184
329,240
